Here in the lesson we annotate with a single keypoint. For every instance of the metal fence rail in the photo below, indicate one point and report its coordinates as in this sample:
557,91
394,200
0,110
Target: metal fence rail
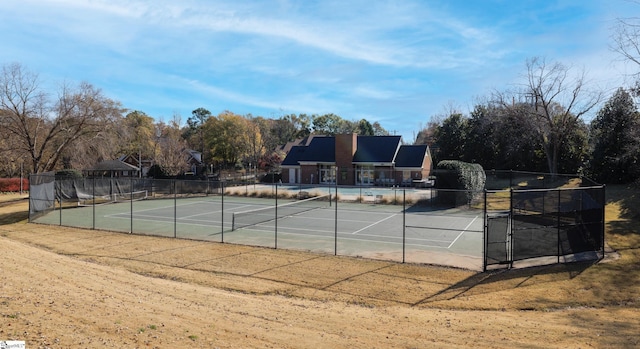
547,226
473,230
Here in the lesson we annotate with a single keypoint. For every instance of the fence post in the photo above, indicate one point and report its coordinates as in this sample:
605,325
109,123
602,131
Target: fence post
485,229
544,198
175,209
276,221
131,204
510,178
558,212
59,195
603,198
510,233
30,198
93,208
222,212
335,224
404,223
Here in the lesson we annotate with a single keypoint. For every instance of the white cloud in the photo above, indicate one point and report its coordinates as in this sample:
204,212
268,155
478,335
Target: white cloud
381,34
379,59
302,102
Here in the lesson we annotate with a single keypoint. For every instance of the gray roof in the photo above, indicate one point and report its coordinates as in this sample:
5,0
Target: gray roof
376,149
113,165
370,150
411,156
295,154
320,150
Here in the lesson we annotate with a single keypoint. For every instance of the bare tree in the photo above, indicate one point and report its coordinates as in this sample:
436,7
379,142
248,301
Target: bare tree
11,160
172,153
554,101
255,143
89,150
627,42
43,129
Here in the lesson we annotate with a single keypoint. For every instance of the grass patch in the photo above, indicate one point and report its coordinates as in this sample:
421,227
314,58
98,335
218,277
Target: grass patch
612,282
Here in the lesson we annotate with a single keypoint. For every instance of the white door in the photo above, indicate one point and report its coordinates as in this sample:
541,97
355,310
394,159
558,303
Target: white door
292,175
365,175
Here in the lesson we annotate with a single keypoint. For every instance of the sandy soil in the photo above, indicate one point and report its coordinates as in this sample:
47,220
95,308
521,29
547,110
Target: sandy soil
72,288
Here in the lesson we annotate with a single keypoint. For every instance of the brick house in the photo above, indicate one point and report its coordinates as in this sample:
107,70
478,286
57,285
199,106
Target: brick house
351,159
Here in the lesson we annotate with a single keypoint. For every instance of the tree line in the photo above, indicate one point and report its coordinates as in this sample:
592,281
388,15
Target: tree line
532,128
538,125
81,127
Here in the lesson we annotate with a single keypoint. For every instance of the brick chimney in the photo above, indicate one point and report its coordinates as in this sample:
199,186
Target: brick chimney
346,146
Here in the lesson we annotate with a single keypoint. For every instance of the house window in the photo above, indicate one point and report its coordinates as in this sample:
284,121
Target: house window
327,174
406,177
364,175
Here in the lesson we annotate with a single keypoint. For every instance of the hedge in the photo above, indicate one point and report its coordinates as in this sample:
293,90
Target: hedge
459,175
11,185
68,174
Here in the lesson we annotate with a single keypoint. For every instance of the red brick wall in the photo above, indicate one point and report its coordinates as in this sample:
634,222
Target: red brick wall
284,175
426,165
346,146
309,174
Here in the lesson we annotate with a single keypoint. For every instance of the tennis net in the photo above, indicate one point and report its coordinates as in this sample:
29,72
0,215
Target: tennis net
262,215
90,200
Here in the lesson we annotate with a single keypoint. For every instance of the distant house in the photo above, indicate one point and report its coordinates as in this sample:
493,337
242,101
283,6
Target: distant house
194,162
142,164
286,148
133,166
112,169
350,159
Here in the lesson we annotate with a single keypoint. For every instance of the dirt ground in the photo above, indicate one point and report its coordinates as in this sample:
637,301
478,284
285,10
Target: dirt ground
73,288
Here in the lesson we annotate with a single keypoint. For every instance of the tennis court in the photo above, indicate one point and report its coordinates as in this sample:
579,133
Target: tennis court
319,225
470,229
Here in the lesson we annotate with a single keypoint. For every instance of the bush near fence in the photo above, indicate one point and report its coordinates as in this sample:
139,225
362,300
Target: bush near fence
12,185
523,226
463,178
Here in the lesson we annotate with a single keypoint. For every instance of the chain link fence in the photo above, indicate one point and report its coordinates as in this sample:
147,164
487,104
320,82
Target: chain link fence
476,230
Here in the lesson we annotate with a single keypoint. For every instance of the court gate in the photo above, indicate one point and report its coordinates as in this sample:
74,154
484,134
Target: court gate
545,226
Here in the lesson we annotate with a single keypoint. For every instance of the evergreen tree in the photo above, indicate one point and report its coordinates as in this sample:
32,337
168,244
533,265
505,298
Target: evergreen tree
613,137
451,137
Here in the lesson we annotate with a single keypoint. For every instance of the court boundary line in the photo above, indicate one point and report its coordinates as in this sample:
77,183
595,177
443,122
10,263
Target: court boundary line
373,224
345,236
463,231
292,231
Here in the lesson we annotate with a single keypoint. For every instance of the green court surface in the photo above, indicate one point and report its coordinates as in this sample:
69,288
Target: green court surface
380,231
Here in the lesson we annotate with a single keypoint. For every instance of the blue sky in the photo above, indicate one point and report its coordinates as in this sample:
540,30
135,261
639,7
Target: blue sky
396,62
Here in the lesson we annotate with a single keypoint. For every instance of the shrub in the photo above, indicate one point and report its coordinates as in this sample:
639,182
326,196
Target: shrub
68,174
156,171
455,174
12,185
271,178
458,175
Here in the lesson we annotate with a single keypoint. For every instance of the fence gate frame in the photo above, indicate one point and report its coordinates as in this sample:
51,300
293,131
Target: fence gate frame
503,244
498,243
